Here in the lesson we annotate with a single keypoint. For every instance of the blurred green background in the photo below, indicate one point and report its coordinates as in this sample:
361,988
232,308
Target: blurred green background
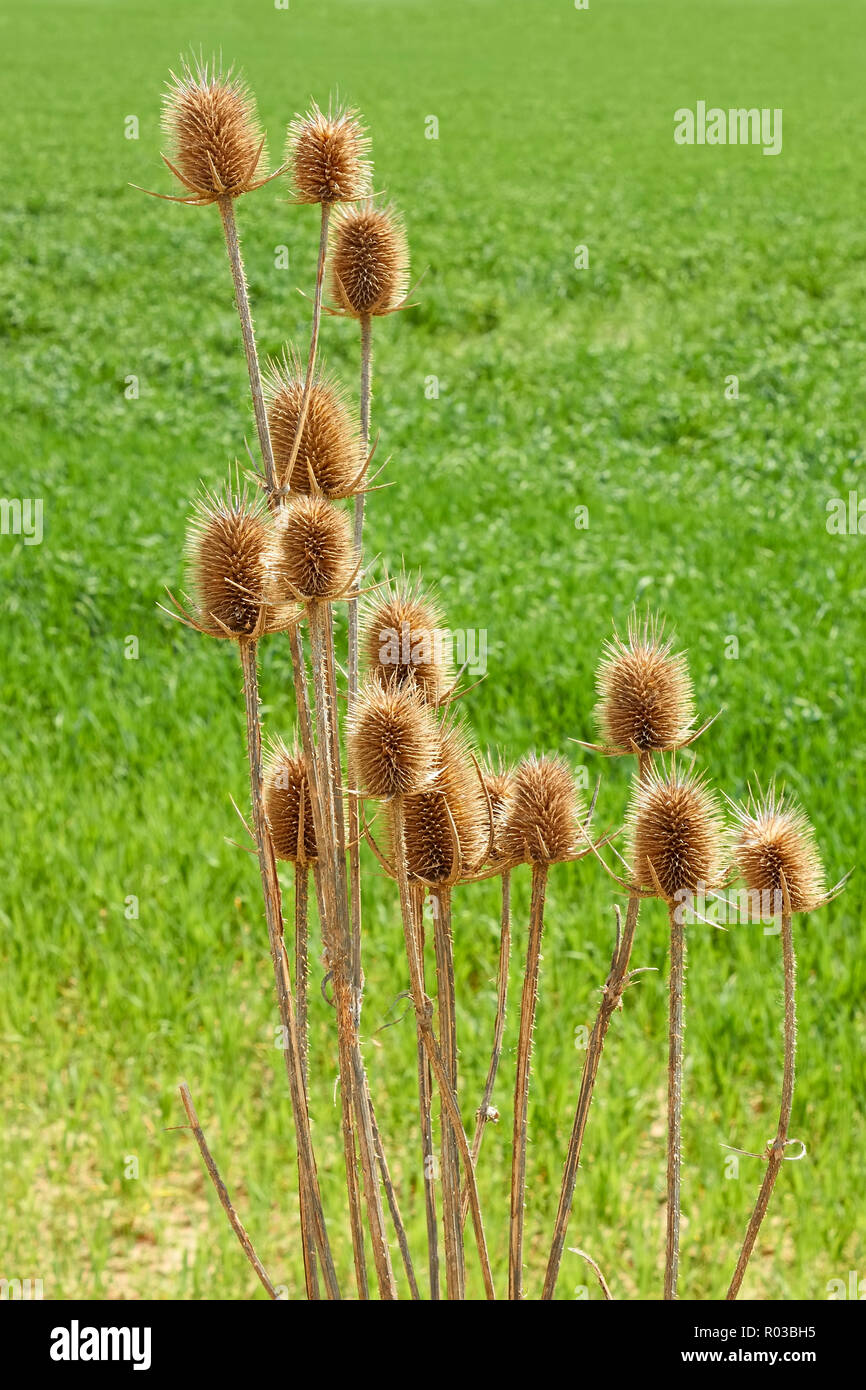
559,388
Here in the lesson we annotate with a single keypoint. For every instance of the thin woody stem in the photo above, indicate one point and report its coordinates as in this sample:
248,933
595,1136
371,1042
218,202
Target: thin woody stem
309,1187
425,1107
301,880
424,1012
393,1206
314,343
483,1113
227,213
521,1085
222,1192
776,1155
675,1097
455,1277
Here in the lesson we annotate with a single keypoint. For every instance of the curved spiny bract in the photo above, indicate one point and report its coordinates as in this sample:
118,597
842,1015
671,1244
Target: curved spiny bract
328,154
329,447
542,823
369,260
215,139
646,702
676,840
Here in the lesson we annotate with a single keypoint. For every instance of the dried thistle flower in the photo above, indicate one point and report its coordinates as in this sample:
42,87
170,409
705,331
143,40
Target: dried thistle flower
445,825
330,441
646,691
313,552
329,156
676,834
542,821
215,141
228,545
774,849
393,740
287,804
499,786
404,640
369,260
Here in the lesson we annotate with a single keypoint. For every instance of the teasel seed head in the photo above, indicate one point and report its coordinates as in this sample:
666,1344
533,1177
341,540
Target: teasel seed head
676,838
774,843
542,822
328,155
404,640
287,798
646,692
215,140
314,554
330,440
369,260
499,786
446,825
228,546
393,740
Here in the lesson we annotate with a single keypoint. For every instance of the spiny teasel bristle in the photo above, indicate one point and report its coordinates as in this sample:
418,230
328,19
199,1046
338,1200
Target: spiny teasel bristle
774,841
646,691
499,786
328,154
287,793
675,832
542,822
369,260
313,551
227,547
215,140
453,798
393,740
330,440
404,640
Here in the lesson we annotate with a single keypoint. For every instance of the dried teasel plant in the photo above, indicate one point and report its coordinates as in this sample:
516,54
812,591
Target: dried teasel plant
369,260
405,640
328,154
326,459
313,557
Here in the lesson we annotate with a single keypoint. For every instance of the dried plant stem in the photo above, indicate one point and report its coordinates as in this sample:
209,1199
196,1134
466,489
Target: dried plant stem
424,1013
776,1154
314,341
675,1097
612,994
301,880
483,1113
222,1192
309,1187
521,1085
354,1087
227,213
393,1206
455,1277
358,537
425,1107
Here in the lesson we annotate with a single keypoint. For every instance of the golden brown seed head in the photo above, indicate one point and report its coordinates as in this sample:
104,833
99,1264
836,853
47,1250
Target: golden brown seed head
330,442
676,828
541,827
393,740
499,785
404,640
446,829
227,548
313,550
775,841
215,139
287,804
369,260
646,691
329,156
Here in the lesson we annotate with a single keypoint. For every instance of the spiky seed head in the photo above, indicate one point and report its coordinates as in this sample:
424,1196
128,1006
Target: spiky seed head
774,841
215,140
329,156
313,551
330,440
228,543
675,827
541,827
646,692
499,786
405,641
369,259
453,798
287,796
393,740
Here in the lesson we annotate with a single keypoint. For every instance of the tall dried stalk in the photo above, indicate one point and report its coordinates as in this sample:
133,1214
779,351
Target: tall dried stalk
675,1097
301,881
776,1155
393,1205
521,1085
455,1277
425,1107
424,1013
314,342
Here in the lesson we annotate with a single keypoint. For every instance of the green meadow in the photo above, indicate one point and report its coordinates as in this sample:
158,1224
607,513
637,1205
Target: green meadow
520,390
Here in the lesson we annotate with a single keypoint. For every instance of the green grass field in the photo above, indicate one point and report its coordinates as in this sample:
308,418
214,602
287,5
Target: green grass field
558,388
